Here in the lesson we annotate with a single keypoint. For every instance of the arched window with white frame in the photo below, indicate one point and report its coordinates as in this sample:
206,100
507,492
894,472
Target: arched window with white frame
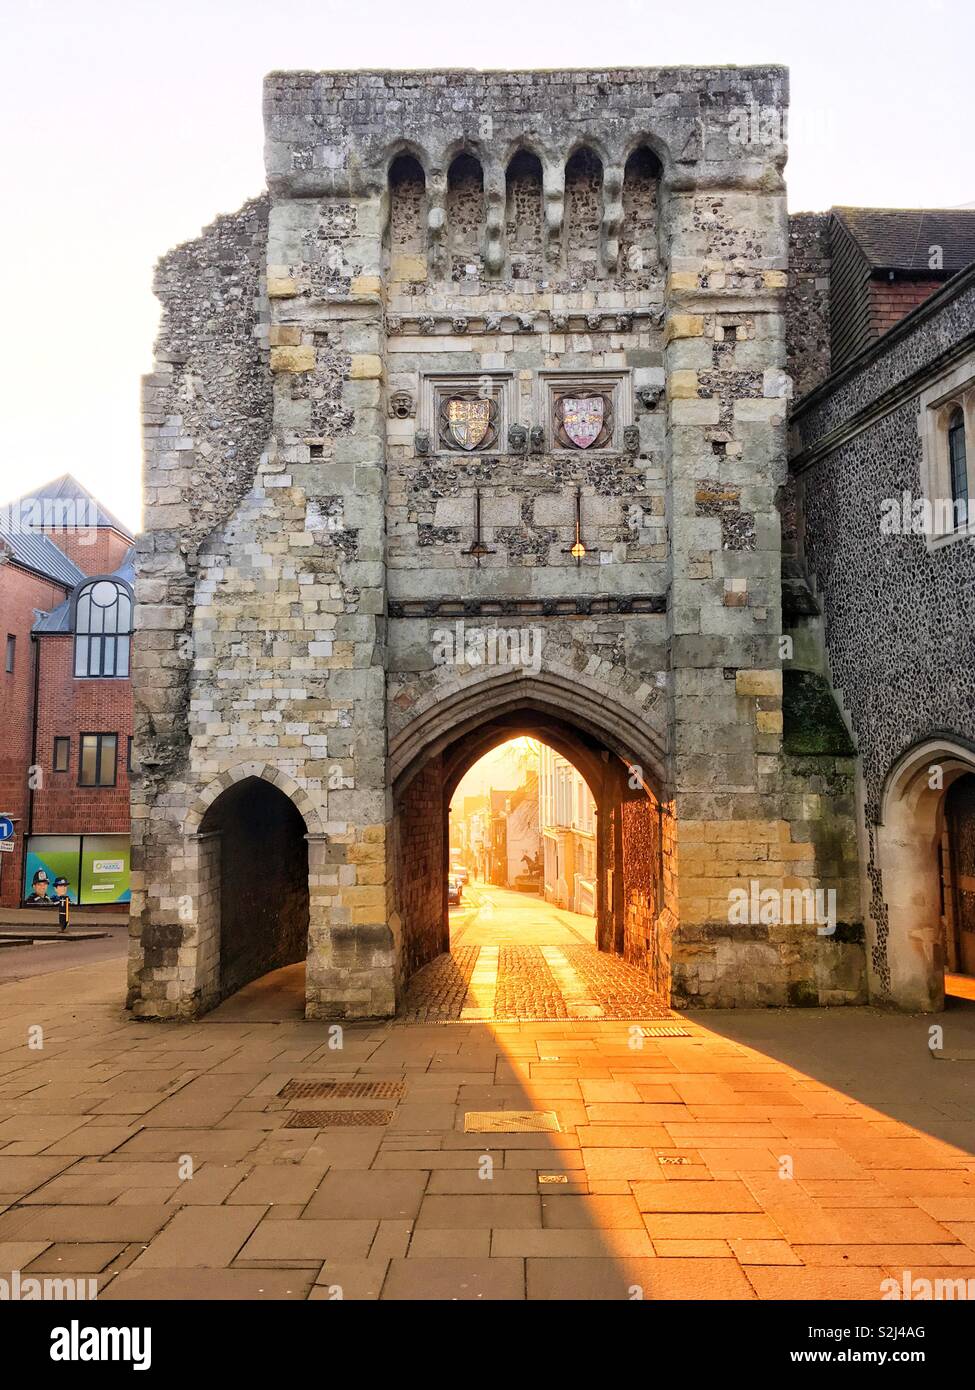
102,628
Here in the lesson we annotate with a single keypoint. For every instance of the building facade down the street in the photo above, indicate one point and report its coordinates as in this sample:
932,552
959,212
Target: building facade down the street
567,821
66,591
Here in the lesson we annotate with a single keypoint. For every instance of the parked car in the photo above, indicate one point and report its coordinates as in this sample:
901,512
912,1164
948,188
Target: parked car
460,871
455,889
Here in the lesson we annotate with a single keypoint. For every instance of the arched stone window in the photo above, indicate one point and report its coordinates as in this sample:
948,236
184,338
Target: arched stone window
102,627
465,216
639,254
583,212
523,219
407,229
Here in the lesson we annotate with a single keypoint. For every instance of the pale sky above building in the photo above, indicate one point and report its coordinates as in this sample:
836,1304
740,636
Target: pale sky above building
130,124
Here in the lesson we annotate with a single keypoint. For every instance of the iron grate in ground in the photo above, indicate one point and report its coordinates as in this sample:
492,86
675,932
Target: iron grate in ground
511,1122
329,1119
342,1090
665,1030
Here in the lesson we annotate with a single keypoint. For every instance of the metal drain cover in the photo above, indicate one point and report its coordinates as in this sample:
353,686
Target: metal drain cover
511,1122
343,1090
328,1119
665,1030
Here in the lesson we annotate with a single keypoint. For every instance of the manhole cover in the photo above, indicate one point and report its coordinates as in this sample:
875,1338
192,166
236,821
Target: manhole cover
511,1122
327,1119
664,1030
343,1090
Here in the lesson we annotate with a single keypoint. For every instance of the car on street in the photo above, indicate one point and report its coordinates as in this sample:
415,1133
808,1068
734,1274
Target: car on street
455,890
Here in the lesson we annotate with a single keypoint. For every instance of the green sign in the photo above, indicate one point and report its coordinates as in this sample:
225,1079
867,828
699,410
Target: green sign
105,869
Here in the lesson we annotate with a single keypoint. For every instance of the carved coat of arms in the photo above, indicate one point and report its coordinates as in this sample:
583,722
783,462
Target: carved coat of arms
468,420
583,419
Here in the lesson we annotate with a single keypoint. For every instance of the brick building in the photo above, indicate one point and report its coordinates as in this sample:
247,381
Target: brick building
66,575
567,822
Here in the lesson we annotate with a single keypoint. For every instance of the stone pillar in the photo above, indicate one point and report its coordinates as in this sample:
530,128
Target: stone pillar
326,345
726,395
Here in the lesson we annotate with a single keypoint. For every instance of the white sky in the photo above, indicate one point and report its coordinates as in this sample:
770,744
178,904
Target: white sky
129,124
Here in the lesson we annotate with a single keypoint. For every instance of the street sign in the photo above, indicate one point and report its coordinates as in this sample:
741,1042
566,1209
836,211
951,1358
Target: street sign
6,828
7,845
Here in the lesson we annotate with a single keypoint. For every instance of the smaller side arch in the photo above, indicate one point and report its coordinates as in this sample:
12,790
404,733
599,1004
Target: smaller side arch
910,946
267,772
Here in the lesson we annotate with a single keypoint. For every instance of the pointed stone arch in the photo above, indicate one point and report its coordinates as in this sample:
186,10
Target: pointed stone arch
620,756
267,772
570,696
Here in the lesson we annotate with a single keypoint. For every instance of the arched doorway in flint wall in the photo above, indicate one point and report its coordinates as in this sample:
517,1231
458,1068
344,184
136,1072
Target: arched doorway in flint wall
634,837
926,855
254,887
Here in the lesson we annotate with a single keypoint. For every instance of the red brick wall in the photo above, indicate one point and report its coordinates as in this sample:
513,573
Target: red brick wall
70,707
20,594
98,551
891,300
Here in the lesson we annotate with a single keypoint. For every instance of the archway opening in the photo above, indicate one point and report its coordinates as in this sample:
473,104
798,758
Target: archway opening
253,908
924,906
528,855
958,885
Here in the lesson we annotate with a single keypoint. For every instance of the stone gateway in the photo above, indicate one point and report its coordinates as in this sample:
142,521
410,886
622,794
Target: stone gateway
505,351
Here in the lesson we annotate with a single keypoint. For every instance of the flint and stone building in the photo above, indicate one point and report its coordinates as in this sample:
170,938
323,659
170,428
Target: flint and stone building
474,425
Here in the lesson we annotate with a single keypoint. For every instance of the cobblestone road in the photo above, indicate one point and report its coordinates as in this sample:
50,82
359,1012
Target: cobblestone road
515,957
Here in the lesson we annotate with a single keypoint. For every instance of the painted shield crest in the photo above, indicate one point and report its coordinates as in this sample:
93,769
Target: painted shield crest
582,418
468,421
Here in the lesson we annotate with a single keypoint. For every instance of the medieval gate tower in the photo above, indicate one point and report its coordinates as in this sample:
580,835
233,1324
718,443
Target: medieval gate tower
474,425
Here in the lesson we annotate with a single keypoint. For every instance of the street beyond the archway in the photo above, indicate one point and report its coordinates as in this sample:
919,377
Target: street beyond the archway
514,956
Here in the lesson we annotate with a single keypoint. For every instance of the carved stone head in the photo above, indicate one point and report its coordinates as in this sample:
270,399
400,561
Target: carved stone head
517,439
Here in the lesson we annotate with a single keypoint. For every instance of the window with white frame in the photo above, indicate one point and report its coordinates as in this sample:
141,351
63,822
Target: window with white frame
947,424
103,628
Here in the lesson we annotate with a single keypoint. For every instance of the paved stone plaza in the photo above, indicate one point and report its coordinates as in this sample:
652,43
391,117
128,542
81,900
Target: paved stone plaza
667,1173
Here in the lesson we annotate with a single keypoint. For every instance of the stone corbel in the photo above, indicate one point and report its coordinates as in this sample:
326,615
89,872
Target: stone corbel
612,216
553,190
